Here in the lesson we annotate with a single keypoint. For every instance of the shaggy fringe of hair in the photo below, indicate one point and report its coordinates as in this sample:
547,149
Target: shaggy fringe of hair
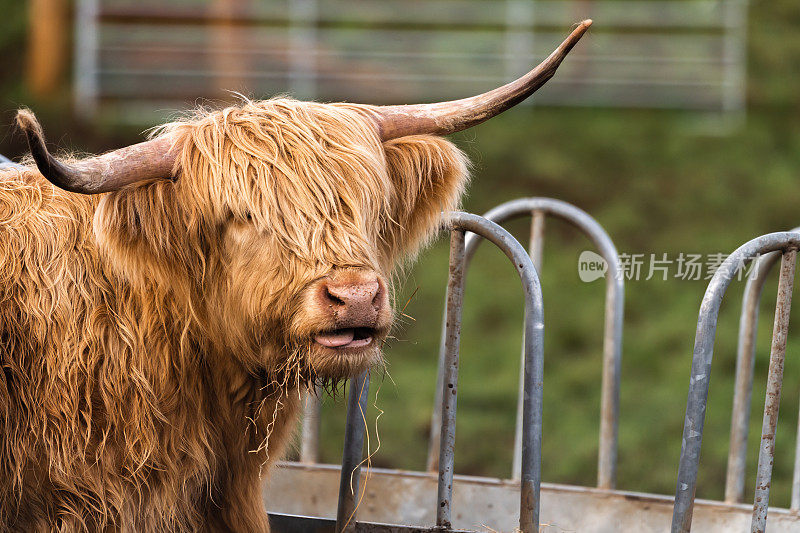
137,341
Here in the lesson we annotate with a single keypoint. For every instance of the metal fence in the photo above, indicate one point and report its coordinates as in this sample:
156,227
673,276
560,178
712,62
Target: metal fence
136,59
538,209
417,500
784,245
743,392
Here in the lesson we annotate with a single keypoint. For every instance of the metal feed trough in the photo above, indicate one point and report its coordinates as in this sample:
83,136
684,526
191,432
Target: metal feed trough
440,501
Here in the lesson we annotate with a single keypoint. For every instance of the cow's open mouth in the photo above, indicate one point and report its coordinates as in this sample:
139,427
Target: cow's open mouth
345,338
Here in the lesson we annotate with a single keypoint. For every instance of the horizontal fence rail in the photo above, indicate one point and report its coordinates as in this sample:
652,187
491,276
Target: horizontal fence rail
538,209
786,244
136,56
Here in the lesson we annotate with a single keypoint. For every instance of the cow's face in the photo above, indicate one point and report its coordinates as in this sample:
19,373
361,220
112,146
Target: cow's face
330,316
282,230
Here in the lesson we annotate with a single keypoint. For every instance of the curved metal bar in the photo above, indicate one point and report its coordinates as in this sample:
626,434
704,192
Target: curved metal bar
701,368
533,368
745,358
612,342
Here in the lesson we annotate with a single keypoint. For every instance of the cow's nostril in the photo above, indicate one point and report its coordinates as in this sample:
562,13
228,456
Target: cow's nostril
332,298
376,300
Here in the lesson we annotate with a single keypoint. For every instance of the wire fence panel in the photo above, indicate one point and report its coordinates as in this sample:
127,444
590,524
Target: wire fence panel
133,55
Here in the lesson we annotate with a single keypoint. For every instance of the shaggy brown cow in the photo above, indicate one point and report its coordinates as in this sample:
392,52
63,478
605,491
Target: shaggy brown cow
156,338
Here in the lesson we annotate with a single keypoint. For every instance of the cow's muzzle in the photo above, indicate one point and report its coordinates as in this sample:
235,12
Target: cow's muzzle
356,304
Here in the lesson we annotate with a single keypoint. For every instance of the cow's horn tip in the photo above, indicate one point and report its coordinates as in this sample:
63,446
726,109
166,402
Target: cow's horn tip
581,28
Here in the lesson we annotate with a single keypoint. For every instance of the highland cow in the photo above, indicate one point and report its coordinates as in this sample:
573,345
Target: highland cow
163,308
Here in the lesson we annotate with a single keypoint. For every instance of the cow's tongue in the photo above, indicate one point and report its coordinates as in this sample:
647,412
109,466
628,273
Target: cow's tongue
340,337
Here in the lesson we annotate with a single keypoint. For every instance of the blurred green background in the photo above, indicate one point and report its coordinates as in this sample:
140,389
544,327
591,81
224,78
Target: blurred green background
659,183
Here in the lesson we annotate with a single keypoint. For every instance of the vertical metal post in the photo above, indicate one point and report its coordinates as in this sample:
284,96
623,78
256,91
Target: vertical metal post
773,398
532,410
519,37
699,380
536,250
353,450
86,57
696,403
455,298
533,364
734,52
302,47
612,363
536,244
309,447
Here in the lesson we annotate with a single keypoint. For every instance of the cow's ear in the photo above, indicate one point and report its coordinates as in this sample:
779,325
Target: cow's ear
429,175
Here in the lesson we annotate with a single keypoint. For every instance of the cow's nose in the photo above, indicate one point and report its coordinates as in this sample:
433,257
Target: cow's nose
354,302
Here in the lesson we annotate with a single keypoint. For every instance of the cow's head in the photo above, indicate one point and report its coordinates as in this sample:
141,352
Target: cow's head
275,224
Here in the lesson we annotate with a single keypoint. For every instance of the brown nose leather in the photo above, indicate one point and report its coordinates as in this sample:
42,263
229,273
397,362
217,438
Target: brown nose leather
354,302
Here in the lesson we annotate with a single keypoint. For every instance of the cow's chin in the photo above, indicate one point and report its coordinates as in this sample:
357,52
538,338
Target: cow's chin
339,360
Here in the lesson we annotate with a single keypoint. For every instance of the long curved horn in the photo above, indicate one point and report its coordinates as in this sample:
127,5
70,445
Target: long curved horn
111,171
444,118
155,159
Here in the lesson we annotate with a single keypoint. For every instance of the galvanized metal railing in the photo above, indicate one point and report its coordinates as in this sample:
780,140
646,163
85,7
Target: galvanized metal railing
460,223
745,359
786,244
538,209
352,451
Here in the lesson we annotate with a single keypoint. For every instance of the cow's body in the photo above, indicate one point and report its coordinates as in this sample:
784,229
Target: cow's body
108,420
146,338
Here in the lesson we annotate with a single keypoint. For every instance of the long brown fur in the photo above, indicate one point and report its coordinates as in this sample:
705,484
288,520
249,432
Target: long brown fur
153,338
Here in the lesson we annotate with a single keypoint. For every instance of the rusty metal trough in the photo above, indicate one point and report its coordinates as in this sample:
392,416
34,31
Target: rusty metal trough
302,496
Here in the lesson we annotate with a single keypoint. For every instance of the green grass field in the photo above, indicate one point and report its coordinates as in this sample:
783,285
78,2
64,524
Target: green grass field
659,183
